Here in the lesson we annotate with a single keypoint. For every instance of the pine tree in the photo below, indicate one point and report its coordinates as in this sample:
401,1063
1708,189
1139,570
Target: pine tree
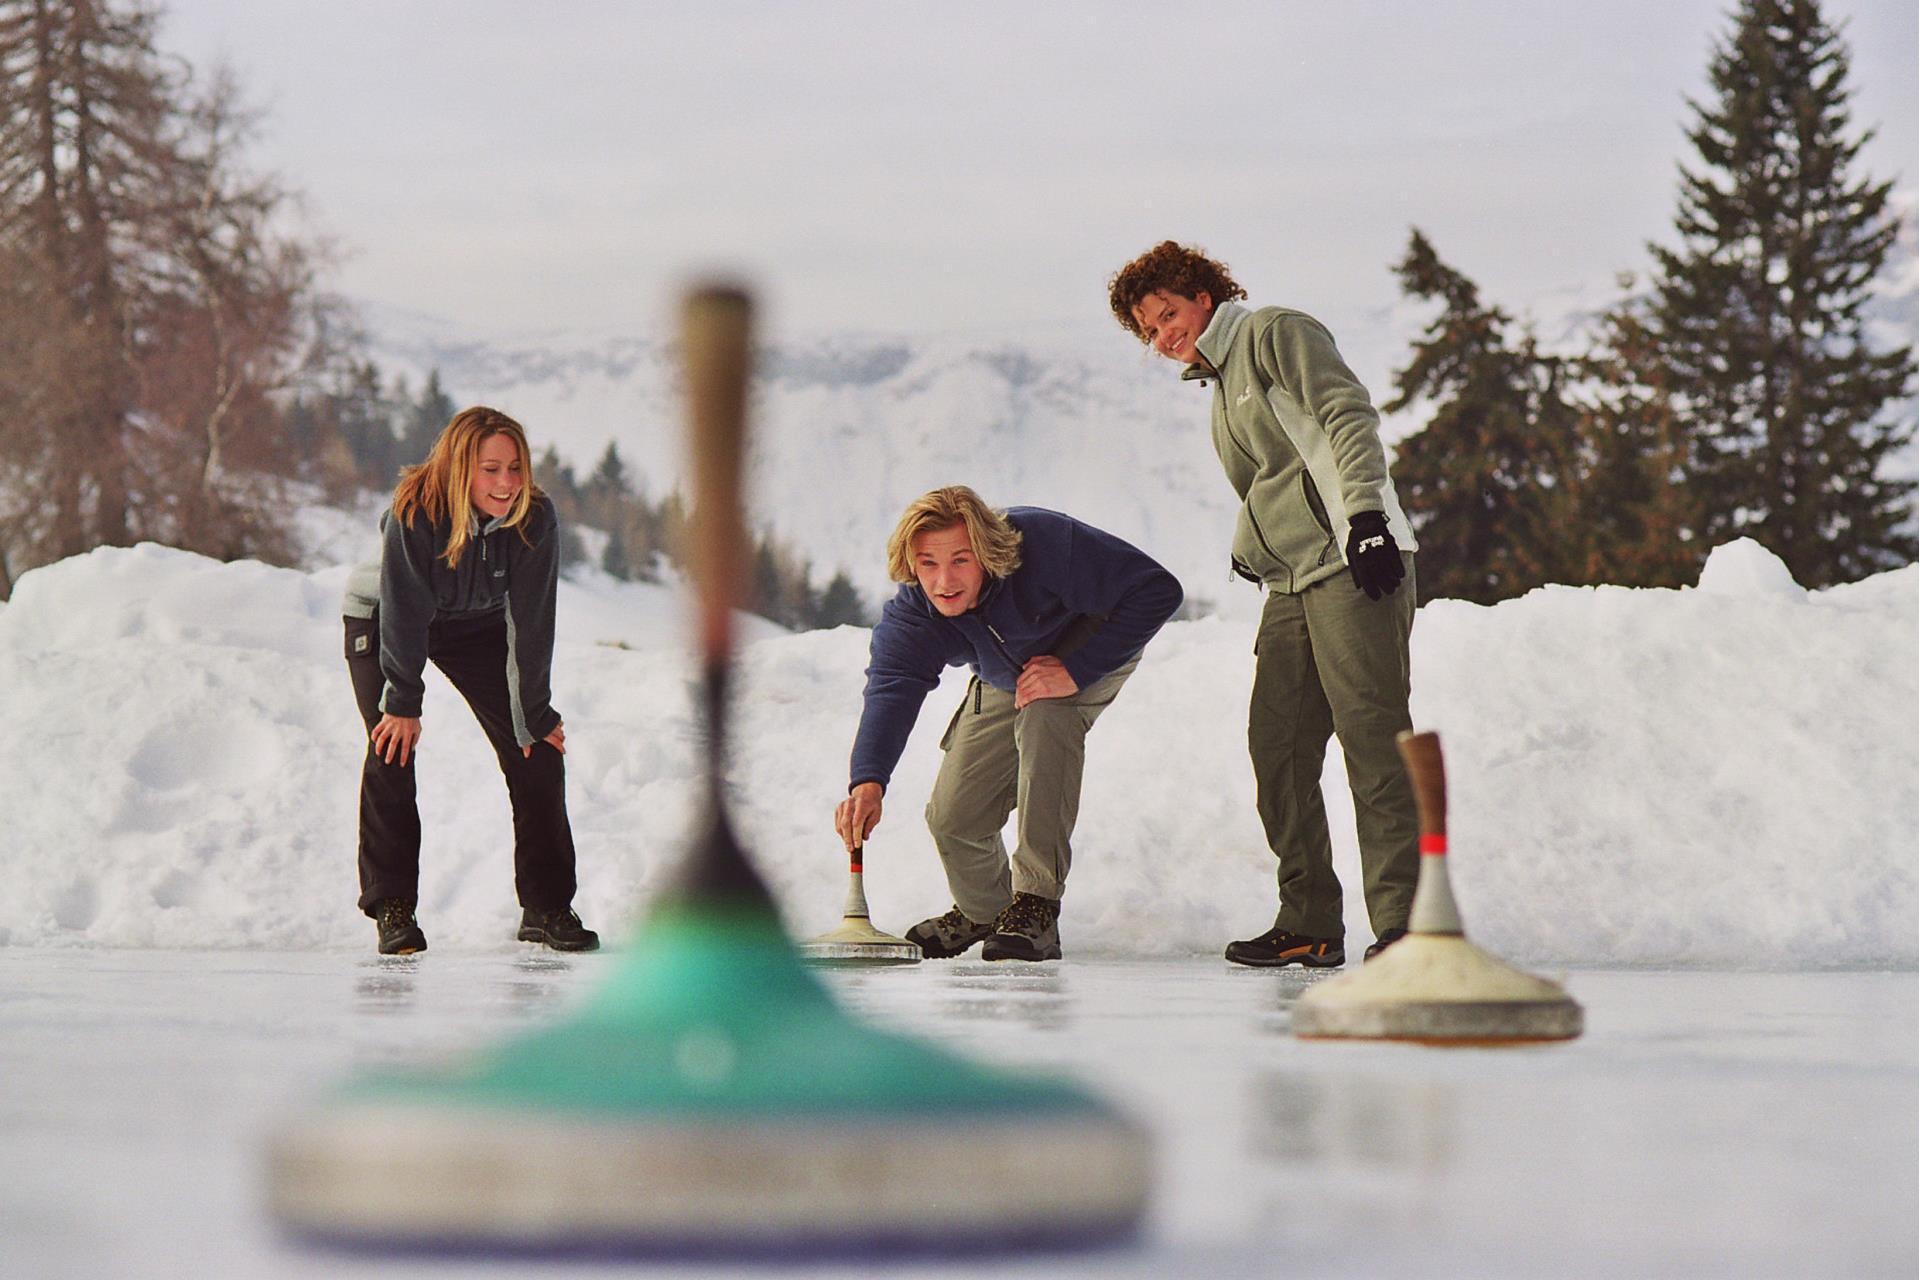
1632,519
1755,325
363,415
609,476
425,419
767,592
1485,481
840,604
614,559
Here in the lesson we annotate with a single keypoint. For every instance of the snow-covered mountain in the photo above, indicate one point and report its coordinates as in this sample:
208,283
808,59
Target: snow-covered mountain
849,427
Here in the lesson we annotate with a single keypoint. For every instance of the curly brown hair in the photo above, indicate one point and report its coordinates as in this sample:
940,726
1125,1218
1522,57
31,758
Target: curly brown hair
1175,267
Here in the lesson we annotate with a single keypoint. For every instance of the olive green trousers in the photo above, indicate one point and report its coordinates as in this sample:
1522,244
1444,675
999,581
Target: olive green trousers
999,760
1330,662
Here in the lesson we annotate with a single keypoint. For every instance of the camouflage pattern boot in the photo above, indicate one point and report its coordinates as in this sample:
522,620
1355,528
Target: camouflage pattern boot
1028,929
947,935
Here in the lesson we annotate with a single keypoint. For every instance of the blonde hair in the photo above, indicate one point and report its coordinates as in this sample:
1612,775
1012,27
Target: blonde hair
441,488
996,543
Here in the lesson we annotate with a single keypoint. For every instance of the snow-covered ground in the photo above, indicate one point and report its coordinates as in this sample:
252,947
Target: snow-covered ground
1724,775
1688,799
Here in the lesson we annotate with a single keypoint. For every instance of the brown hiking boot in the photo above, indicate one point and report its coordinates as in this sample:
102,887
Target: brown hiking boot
947,935
1028,929
1276,947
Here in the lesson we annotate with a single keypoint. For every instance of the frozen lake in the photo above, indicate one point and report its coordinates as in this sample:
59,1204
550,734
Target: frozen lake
1707,1123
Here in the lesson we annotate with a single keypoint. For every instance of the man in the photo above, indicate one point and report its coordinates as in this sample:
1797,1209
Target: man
1052,615
1320,528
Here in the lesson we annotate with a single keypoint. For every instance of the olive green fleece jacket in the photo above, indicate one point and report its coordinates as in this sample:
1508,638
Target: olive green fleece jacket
1300,440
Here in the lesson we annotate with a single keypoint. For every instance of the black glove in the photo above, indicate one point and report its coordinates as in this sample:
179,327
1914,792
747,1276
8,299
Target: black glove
1373,556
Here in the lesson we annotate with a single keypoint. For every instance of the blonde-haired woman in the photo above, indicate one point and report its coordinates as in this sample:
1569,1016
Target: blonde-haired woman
468,570
1051,614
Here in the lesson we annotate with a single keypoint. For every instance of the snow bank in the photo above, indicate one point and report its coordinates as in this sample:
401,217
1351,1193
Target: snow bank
1720,776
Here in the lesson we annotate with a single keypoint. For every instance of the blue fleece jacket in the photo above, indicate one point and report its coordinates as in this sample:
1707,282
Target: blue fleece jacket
1072,576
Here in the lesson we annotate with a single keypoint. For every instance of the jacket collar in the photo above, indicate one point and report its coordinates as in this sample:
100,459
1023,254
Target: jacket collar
989,592
1217,340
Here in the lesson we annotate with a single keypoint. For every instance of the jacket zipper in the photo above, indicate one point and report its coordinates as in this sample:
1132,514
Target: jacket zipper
1000,641
1226,425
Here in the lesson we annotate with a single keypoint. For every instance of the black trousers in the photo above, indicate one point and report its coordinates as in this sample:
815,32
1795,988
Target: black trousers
472,654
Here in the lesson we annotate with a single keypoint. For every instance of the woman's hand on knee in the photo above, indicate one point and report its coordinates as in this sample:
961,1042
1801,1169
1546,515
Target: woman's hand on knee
396,735
856,816
557,740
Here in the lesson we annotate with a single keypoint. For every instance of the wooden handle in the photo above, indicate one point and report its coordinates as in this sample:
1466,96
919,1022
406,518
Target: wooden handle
716,328
1428,772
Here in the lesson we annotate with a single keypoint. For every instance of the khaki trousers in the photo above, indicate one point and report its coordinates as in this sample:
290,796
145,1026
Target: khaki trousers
999,760
1329,661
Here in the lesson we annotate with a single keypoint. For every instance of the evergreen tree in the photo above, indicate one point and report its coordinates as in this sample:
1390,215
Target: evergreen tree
363,416
767,591
1755,326
556,477
425,419
1633,518
614,559
840,604
1485,482
609,476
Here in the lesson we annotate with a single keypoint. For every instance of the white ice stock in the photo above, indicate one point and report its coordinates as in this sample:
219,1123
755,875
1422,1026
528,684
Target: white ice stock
1721,776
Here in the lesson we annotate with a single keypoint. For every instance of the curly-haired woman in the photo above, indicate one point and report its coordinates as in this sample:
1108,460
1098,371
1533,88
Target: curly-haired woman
1322,531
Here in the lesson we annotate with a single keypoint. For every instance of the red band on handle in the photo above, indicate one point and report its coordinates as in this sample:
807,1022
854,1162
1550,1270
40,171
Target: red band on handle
1433,844
856,866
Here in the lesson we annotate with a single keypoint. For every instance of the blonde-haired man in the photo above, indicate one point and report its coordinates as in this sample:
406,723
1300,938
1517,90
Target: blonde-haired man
1052,615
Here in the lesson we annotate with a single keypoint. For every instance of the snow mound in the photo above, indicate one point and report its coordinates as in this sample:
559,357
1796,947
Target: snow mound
1745,568
1719,777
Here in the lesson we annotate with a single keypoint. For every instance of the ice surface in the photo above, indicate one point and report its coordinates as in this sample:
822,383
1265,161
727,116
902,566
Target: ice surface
1723,776
1707,1124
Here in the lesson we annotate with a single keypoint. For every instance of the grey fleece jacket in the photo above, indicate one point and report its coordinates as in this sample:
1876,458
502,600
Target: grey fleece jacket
1299,439
501,571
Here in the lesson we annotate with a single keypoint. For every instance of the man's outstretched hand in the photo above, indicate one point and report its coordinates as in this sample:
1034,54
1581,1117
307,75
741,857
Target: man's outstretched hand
856,816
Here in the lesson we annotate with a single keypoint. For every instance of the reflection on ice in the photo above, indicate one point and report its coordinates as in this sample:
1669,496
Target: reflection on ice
1707,1124
1365,1121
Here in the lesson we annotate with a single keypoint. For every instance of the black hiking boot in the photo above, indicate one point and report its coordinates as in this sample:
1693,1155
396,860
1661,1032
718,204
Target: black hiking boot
1028,929
1386,939
1276,947
947,935
399,933
560,930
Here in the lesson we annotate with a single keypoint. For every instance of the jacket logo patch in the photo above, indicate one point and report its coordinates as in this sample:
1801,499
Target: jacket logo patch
362,643
1246,394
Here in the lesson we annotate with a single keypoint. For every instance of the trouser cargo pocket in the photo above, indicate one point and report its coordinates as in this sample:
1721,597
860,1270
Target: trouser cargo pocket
363,637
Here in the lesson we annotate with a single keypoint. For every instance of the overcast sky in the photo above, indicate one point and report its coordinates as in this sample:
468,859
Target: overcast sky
980,167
